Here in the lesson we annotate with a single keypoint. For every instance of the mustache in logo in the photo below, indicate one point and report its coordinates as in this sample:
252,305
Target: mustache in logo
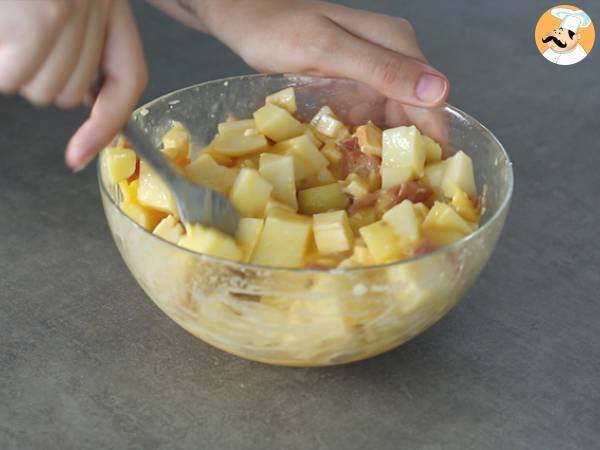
555,40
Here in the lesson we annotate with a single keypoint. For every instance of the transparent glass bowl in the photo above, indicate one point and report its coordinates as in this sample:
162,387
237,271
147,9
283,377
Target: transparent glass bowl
299,317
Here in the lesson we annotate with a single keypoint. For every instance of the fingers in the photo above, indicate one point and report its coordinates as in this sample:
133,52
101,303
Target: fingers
403,78
392,33
86,69
28,30
51,78
125,76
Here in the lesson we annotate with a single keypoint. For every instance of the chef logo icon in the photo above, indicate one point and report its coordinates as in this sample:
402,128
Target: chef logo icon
565,35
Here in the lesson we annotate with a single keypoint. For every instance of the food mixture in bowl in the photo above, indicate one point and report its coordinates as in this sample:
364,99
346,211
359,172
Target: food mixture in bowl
315,195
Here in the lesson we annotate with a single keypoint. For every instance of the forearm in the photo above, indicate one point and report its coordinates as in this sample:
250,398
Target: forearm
195,14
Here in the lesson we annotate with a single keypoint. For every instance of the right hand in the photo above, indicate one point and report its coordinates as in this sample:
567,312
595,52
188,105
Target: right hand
51,52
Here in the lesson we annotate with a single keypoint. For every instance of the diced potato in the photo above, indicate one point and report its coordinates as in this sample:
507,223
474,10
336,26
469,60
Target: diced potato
146,217
129,190
332,232
434,174
251,132
421,211
326,123
404,221
314,139
443,216
248,164
433,150
285,99
250,193
169,229
224,160
403,150
279,171
308,160
332,153
321,178
232,144
120,163
205,171
154,193
283,241
382,242
459,174
363,218
369,139
463,205
248,234
356,186
362,255
274,207
322,199
177,138
211,242
237,127
442,236
276,123
176,156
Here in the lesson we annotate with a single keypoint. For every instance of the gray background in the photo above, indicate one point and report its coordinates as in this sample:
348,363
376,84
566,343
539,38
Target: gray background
87,361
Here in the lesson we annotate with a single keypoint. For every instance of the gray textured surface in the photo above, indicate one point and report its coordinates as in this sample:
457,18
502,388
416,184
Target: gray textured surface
86,361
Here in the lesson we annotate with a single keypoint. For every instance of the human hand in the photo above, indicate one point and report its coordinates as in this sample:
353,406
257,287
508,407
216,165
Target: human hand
51,52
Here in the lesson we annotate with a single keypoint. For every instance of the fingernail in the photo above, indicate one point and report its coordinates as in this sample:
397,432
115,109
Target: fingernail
78,159
430,88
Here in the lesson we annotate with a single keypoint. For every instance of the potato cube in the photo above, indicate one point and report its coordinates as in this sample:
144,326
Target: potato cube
120,163
404,221
274,207
442,236
362,255
285,99
276,123
283,241
459,175
177,138
321,178
404,151
332,153
434,174
154,193
329,197
326,123
232,144
146,217
421,210
308,160
443,216
169,229
250,193
314,139
382,242
433,150
248,234
356,186
362,218
129,191
237,127
332,232
462,204
211,242
279,171
205,171
248,164
369,139
227,161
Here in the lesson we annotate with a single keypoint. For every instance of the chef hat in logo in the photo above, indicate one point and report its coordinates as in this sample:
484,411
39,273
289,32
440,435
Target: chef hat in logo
572,20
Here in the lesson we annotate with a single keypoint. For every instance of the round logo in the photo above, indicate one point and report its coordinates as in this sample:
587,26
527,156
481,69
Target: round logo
565,35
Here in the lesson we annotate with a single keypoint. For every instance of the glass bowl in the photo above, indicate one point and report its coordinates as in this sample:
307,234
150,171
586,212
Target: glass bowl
310,317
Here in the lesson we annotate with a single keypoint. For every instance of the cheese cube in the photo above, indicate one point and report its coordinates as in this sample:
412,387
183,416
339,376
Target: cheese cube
205,171
276,123
169,229
332,232
279,171
232,144
404,151
285,99
322,199
154,193
443,216
459,175
146,217
210,242
237,127
326,123
283,241
120,163
404,221
250,193
369,139
433,150
382,242
308,160
462,204
248,234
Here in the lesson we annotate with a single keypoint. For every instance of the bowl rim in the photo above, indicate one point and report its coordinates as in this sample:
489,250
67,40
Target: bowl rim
504,204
